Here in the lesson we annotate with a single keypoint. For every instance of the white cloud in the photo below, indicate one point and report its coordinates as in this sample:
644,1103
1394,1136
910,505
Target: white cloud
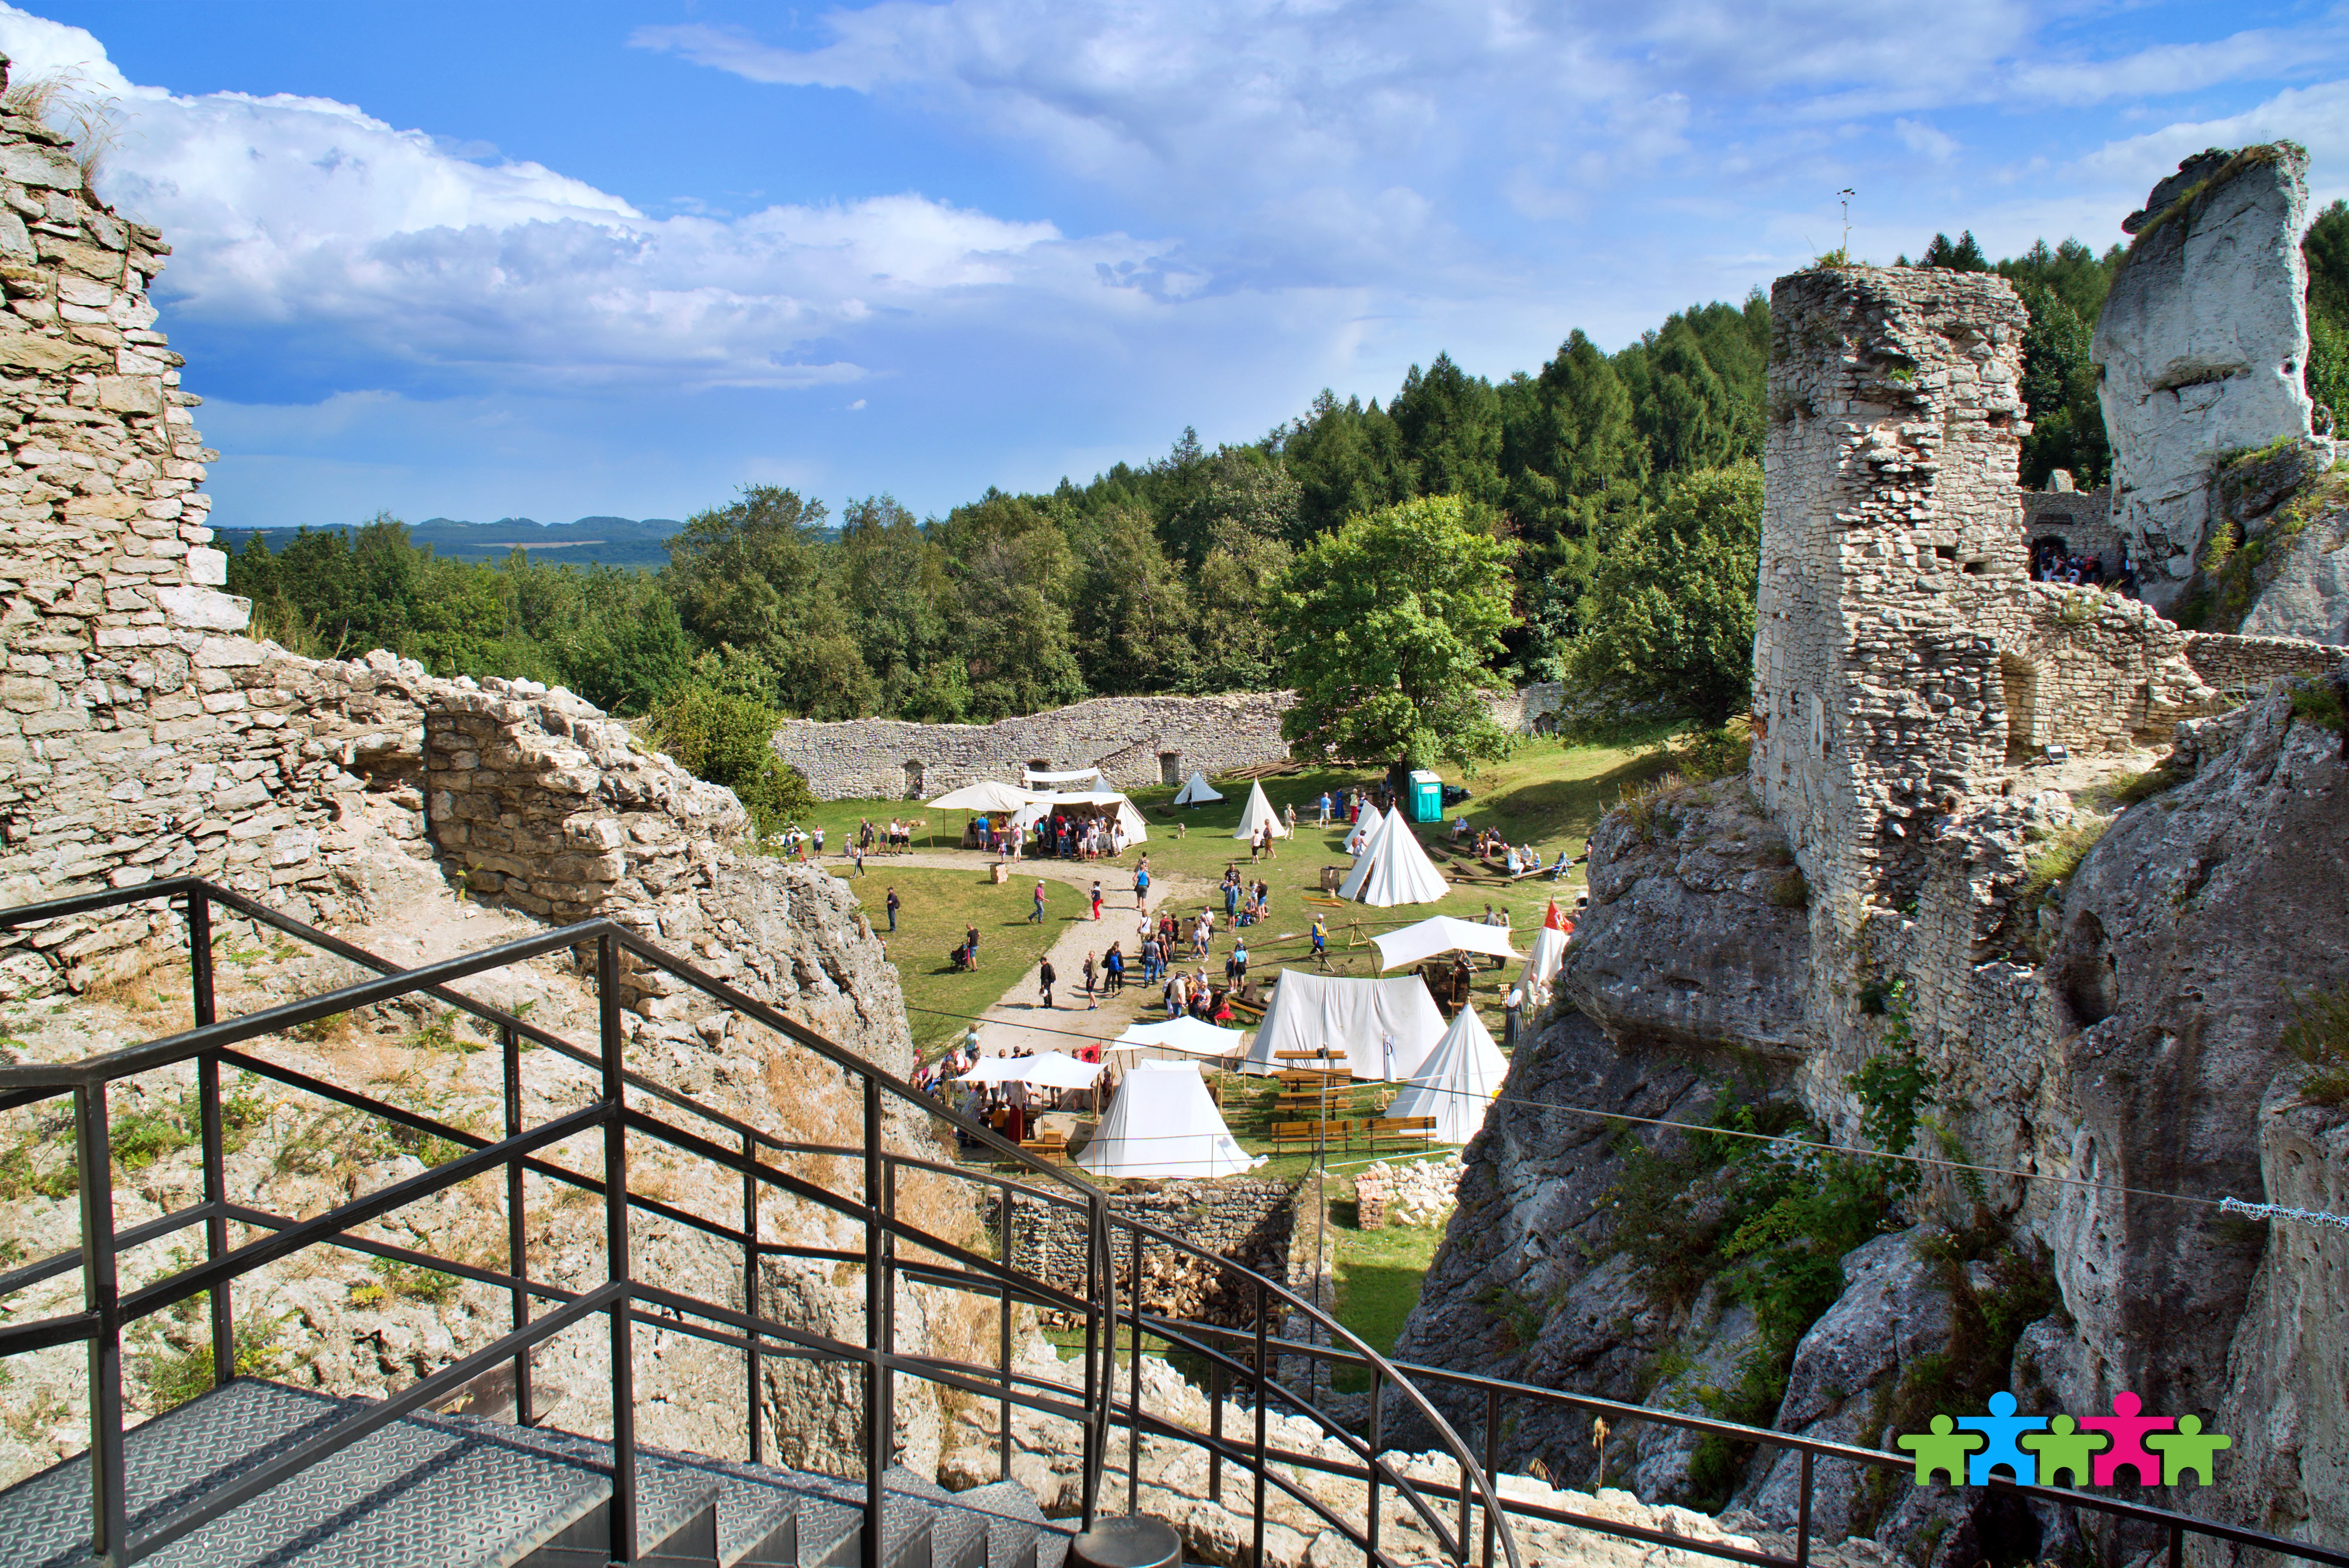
1924,140
289,210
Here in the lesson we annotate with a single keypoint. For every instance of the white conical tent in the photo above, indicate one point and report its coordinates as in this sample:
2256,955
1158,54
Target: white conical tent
1363,832
1392,869
1380,1028
1258,814
1162,1123
1196,790
1548,953
1456,1083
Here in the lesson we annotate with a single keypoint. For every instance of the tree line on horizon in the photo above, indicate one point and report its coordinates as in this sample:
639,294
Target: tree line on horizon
1622,492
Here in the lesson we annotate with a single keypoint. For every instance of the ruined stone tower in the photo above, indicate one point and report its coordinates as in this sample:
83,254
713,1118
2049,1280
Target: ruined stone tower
1896,421
1903,660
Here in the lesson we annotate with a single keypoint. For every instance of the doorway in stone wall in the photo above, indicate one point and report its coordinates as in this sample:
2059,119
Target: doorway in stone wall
1170,767
2022,682
912,781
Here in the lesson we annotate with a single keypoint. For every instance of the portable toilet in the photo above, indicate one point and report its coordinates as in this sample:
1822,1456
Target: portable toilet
1426,797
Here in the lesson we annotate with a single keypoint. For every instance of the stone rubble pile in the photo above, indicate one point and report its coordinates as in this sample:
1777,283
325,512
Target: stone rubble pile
1406,1192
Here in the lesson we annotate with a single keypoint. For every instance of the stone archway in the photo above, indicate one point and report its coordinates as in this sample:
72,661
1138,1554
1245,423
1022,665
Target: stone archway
912,780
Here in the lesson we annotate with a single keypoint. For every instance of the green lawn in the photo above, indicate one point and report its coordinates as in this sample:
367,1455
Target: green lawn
1379,1276
1548,795
934,906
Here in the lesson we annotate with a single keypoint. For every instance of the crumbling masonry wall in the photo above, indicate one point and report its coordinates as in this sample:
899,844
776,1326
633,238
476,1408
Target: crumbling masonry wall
140,737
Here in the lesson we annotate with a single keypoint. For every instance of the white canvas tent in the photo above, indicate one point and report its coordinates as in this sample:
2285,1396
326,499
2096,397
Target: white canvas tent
1456,1083
1392,869
1183,1036
1196,790
1363,832
1258,814
1103,802
1542,964
1442,933
1162,1123
1382,1029
1076,779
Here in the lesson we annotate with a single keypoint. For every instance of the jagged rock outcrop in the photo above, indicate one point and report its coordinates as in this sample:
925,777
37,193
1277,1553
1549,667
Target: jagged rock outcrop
2185,934
2200,347
1707,865
2284,1391
2303,587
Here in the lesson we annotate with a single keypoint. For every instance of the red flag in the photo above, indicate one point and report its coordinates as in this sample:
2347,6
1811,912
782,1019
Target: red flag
1553,920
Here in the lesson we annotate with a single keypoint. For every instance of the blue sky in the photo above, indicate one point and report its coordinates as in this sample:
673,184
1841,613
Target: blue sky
486,259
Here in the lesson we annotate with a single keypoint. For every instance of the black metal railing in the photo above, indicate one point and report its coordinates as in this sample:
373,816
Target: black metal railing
624,1105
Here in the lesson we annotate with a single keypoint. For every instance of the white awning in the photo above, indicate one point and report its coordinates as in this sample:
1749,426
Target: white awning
987,795
1054,780
1191,1036
1047,1069
1442,933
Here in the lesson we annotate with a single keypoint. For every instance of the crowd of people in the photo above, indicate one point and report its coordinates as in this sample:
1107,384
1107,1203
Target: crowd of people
1063,836
2052,562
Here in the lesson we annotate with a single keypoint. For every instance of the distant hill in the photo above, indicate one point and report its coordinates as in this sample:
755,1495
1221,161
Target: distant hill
608,540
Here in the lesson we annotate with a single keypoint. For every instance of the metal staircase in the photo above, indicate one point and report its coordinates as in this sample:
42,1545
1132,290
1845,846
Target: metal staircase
254,1472
458,1492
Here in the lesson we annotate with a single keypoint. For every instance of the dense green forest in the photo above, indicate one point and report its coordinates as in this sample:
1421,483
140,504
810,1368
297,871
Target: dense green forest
1161,577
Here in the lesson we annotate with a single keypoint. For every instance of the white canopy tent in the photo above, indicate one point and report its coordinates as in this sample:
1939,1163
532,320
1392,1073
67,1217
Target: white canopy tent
1037,780
1382,1029
1162,1123
1183,1036
1258,815
1363,832
1047,1069
1442,933
1542,964
1196,790
987,795
1456,1083
1392,869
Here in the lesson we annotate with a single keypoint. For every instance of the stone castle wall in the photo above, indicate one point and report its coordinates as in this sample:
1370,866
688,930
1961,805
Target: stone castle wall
1135,742
140,737
2083,519
1247,1219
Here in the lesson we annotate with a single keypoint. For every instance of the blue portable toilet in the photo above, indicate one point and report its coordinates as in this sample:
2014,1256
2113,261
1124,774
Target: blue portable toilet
1426,797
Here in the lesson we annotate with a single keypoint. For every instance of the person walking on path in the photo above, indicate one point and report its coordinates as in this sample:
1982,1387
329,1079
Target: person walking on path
1142,884
1044,978
1238,962
1037,918
1096,901
856,854
1325,809
819,841
893,909
970,943
1321,941
1090,972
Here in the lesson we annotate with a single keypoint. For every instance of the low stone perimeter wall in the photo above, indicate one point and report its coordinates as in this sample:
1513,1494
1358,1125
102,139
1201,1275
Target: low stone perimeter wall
1135,742
2235,664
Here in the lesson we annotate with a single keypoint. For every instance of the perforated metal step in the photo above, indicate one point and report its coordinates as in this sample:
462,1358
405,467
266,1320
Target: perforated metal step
463,1491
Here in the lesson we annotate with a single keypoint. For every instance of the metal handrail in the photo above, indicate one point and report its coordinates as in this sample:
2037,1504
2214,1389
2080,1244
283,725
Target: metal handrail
212,1043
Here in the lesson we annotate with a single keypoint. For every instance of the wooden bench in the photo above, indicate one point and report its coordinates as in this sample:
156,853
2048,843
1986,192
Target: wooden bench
1288,1135
1402,1130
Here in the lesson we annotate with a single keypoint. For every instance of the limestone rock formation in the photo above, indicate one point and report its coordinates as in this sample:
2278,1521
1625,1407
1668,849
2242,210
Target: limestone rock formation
2201,345
1705,864
2304,586
2295,1327
2185,934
